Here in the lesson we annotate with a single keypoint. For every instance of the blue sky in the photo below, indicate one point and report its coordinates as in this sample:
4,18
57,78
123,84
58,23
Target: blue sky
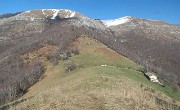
165,10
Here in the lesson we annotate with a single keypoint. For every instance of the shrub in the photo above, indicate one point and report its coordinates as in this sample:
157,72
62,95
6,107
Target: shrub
68,53
69,66
63,56
74,50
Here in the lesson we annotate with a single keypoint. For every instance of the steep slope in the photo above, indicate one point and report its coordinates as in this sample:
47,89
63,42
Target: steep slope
103,79
58,33
154,44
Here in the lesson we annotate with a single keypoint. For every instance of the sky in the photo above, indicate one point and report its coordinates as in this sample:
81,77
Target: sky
165,10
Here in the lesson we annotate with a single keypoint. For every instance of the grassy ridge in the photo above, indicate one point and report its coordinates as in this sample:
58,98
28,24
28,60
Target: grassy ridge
91,86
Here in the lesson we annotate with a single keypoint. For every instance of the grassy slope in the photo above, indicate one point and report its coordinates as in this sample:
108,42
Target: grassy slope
119,85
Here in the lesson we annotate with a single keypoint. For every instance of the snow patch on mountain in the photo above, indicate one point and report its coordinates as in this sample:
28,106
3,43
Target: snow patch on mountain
70,14
32,19
27,11
55,13
43,11
118,21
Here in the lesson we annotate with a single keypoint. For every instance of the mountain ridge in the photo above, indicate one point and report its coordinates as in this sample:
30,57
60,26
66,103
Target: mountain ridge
152,44
157,31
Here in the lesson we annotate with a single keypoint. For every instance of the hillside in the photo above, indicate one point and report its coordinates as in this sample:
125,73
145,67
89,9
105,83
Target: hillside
51,32
103,79
154,44
61,59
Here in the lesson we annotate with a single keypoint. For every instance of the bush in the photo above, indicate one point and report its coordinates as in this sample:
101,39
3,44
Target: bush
63,56
74,50
69,66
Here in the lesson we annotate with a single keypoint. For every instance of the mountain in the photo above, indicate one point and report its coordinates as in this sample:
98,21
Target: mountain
33,22
155,44
41,48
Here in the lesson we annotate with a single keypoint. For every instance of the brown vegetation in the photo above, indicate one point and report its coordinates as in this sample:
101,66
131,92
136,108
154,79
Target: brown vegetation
69,66
52,42
23,42
152,43
109,53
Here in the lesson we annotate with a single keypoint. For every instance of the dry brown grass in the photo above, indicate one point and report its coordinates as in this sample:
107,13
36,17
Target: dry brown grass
84,43
41,52
123,94
109,53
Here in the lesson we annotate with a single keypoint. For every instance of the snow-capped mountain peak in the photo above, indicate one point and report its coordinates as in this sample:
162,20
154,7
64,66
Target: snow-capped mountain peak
118,21
49,13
